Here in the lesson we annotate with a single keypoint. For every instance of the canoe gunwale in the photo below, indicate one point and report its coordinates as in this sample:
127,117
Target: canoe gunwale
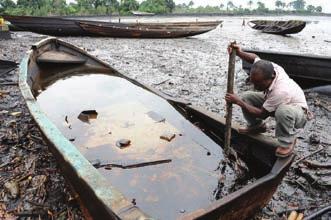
109,202
306,69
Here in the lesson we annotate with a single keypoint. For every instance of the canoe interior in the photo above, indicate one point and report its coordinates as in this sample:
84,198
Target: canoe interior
187,176
278,27
307,70
7,66
193,153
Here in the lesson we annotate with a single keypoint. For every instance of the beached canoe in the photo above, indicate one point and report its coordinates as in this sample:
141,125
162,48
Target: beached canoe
148,174
55,26
278,27
307,70
62,26
7,66
145,31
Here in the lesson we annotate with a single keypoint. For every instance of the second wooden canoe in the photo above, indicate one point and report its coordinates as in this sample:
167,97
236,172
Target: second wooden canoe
278,27
146,31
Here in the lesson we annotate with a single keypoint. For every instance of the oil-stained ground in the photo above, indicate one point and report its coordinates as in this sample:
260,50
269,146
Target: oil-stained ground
193,69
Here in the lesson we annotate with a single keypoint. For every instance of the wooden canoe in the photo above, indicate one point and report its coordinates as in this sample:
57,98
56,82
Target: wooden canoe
145,31
7,66
54,26
53,59
278,27
61,26
307,70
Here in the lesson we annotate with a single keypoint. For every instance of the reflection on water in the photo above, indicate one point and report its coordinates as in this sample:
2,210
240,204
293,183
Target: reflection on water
127,112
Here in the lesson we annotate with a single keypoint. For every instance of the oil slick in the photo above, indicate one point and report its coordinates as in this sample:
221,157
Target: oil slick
152,151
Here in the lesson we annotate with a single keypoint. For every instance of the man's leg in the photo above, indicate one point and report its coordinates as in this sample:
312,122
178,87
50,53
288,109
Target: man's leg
288,119
256,99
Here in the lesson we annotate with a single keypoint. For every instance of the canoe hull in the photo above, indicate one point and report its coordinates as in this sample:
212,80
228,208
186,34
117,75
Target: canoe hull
278,27
99,196
46,25
145,31
307,70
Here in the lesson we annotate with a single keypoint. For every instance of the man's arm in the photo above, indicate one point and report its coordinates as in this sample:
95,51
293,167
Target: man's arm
252,110
249,57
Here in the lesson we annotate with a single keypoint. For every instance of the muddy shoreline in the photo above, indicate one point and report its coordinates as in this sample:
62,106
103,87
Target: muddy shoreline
193,69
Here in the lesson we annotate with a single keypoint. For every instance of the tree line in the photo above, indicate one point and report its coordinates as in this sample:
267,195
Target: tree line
125,7
298,6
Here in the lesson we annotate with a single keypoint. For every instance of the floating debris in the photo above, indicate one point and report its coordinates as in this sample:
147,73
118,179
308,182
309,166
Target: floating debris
86,115
168,136
314,139
155,116
12,188
16,114
96,163
132,164
122,143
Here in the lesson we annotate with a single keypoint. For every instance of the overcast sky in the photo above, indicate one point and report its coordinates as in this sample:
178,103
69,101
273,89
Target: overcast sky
326,4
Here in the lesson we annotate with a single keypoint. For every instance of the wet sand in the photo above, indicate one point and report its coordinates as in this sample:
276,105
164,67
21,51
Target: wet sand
195,69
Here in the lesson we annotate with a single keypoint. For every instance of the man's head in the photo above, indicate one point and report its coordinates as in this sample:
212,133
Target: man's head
262,74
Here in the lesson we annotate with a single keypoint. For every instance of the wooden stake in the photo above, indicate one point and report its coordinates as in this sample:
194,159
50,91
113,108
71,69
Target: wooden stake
232,62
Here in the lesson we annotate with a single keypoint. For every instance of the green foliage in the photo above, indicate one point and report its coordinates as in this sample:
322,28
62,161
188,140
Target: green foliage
298,5
250,3
318,9
170,4
128,5
261,7
154,6
311,8
102,7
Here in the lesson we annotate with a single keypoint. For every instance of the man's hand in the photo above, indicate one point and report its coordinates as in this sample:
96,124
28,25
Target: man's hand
235,46
232,98
249,57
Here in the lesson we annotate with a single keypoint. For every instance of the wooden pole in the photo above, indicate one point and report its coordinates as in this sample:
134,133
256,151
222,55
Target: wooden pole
232,62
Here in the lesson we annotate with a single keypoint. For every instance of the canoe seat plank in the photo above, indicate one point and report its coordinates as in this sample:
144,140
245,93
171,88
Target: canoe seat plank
60,57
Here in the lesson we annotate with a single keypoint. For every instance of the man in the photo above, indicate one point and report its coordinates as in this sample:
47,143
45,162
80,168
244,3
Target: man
279,97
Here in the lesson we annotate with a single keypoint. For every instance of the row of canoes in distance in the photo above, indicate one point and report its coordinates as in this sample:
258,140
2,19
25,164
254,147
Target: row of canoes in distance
57,26
278,27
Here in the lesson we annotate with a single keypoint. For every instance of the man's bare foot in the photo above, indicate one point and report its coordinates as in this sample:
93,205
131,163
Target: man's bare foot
261,128
283,151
